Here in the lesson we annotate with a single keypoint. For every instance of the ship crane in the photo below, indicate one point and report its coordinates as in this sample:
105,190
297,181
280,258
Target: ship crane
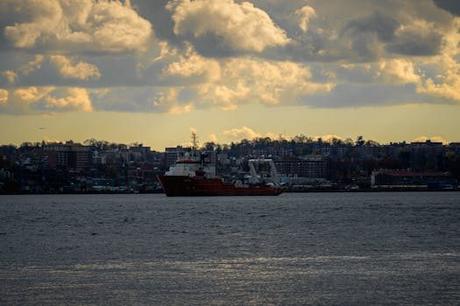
256,178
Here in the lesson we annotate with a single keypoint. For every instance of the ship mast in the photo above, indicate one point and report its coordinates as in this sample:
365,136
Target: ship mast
194,141
195,149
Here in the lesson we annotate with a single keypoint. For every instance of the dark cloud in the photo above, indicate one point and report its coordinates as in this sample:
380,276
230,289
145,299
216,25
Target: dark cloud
417,44
362,95
367,33
452,6
211,45
115,70
160,17
382,25
125,99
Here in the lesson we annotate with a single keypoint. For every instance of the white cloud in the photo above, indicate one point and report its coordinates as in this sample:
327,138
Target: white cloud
246,80
212,137
74,99
240,133
235,81
304,15
10,76
32,65
85,25
192,65
168,101
398,70
33,99
23,100
447,87
69,68
3,96
240,26
28,95
237,134
432,138
328,137
181,109
447,83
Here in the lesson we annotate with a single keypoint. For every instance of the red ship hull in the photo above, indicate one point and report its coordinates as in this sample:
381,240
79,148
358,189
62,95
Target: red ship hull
179,186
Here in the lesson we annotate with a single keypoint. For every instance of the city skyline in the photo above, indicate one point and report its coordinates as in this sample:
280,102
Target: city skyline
150,72
195,141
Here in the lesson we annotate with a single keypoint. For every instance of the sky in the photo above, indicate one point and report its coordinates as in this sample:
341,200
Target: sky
153,71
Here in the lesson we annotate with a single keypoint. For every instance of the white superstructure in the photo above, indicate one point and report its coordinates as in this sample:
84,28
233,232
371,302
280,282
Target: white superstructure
192,164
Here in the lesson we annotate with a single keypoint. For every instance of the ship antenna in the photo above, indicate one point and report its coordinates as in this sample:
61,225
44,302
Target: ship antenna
194,141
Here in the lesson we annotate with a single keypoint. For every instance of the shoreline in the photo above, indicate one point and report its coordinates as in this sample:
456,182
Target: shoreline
297,191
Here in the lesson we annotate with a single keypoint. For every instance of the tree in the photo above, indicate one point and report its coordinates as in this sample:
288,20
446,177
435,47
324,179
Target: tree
360,141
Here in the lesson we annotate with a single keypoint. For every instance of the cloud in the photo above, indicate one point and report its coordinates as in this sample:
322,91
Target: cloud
445,81
419,38
73,99
192,65
29,100
32,94
68,68
425,80
449,5
3,96
367,33
346,95
432,138
240,133
228,53
360,30
447,87
94,26
169,101
398,70
235,81
328,138
23,100
246,80
212,137
304,15
32,65
231,26
181,109
10,76
380,24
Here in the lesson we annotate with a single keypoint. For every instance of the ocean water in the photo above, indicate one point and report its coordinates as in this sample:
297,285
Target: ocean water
315,248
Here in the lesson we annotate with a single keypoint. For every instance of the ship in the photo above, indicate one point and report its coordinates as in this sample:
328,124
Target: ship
194,175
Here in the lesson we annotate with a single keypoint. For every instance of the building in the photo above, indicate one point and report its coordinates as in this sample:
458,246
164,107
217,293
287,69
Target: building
426,155
313,166
137,153
172,154
455,147
386,178
69,156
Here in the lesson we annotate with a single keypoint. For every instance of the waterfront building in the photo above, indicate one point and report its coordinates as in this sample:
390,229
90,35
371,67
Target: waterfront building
313,166
386,178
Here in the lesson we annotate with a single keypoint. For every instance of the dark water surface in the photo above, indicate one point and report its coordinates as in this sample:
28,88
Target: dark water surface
337,248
